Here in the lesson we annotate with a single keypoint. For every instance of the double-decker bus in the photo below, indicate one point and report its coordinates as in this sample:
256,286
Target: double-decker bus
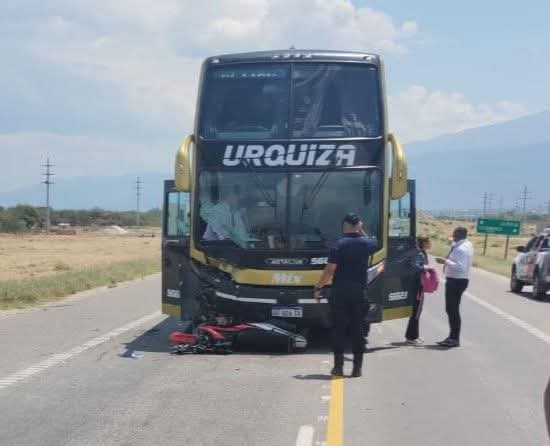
285,143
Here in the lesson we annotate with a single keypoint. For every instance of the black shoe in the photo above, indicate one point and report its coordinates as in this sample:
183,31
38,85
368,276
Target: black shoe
357,365
449,343
338,369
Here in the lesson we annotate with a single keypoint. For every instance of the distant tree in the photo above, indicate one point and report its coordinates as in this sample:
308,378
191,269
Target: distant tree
27,214
152,217
24,217
10,223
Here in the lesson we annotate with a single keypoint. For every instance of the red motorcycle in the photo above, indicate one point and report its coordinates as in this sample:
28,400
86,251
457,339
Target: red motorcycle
224,339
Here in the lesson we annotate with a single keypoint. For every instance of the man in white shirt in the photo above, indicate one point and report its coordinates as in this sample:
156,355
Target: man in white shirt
457,267
225,219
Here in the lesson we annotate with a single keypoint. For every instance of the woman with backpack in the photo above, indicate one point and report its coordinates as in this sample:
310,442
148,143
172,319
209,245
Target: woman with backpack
424,276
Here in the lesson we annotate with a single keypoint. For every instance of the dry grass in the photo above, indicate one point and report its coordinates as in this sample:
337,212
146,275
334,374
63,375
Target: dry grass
440,232
24,256
37,268
31,291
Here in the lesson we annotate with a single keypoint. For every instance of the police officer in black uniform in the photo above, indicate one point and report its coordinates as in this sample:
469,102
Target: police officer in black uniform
347,267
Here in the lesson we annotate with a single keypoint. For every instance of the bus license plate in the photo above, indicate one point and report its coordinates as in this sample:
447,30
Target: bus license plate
287,312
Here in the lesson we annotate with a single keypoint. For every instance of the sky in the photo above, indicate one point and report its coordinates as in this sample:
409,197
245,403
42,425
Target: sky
109,87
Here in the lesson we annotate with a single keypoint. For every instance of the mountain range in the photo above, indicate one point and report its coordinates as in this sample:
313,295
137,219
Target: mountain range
110,192
452,172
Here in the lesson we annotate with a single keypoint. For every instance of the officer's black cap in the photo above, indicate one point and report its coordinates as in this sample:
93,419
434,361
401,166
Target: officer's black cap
351,218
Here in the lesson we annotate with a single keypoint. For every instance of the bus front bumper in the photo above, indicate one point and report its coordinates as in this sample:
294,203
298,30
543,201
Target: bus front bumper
261,304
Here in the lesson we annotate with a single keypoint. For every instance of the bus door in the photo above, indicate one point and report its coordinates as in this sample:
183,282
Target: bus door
175,248
401,253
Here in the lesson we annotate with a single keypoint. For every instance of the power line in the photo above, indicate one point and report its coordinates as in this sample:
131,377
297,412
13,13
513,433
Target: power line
139,188
48,175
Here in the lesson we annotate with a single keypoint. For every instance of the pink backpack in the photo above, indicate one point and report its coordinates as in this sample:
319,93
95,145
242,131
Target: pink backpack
430,281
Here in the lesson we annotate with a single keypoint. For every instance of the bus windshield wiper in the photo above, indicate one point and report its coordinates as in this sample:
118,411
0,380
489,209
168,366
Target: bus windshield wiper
259,184
307,203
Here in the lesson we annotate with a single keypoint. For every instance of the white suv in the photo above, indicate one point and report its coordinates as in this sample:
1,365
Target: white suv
532,266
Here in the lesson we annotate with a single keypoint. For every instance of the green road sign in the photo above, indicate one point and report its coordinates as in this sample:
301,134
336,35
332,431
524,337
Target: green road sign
498,227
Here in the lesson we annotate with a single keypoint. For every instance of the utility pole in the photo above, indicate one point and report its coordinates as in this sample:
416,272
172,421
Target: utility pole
487,200
138,196
48,182
524,197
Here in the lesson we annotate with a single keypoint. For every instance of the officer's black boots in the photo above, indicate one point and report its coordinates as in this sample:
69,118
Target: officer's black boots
357,365
338,369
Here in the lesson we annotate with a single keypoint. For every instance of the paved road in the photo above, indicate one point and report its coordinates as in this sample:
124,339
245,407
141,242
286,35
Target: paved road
94,370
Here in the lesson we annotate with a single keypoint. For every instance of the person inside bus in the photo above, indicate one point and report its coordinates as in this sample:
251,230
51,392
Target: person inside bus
225,220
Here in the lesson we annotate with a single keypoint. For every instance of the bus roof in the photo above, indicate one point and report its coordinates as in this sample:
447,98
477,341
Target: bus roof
296,55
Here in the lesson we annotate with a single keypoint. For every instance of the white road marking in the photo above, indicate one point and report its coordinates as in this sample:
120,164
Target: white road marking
514,320
305,436
60,358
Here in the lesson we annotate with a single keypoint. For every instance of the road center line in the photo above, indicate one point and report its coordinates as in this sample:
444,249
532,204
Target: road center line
335,433
514,320
59,358
305,436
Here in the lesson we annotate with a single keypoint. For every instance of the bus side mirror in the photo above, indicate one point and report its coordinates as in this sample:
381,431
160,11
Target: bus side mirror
398,181
182,174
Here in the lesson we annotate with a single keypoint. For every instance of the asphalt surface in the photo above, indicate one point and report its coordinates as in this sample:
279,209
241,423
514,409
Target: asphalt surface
95,370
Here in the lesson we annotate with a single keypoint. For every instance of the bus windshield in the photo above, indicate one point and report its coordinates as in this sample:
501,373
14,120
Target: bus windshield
286,210
291,100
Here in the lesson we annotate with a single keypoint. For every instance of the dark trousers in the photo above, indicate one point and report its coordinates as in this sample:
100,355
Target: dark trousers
416,295
348,305
454,288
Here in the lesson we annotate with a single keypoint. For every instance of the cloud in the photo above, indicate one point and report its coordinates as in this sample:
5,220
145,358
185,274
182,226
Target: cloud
107,87
417,113
110,86
152,51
